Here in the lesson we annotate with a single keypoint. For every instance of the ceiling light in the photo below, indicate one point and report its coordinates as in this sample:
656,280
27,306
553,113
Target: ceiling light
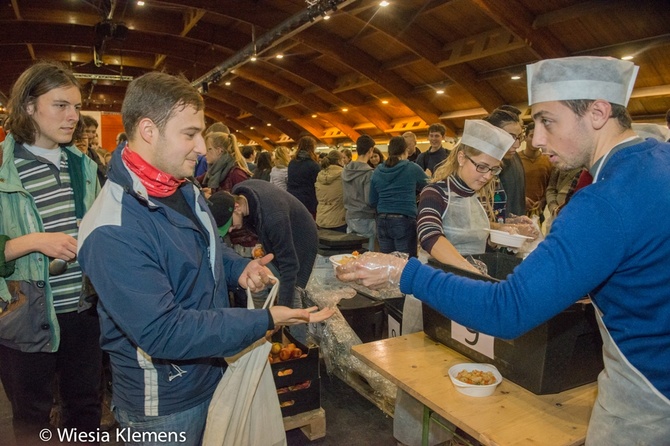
280,56
626,57
385,101
326,17
140,3
251,128
384,4
440,91
314,116
516,77
253,58
268,124
228,83
345,110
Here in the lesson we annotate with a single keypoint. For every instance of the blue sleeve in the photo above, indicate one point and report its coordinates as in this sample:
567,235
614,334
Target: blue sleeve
373,197
579,254
135,292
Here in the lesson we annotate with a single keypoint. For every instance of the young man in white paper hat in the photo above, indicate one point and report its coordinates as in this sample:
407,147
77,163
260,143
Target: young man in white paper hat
604,244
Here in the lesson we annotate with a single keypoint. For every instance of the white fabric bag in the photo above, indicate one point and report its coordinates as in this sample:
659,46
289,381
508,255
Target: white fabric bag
245,407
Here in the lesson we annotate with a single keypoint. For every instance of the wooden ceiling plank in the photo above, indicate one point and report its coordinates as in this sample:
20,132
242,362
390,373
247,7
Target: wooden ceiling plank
252,107
486,44
361,62
426,48
191,18
513,16
577,11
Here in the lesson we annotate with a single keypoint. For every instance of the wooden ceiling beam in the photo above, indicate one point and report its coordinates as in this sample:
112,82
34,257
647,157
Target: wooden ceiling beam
425,47
513,16
292,91
482,45
361,62
577,11
191,18
252,107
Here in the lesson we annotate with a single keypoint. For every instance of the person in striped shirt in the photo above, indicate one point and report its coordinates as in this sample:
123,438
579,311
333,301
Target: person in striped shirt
48,322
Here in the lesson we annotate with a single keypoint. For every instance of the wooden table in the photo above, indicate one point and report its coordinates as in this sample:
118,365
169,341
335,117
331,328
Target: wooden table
511,416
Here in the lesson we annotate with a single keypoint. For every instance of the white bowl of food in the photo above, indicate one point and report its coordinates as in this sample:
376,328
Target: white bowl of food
506,239
474,379
342,259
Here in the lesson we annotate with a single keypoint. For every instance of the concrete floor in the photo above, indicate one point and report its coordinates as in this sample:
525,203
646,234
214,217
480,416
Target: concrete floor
350,420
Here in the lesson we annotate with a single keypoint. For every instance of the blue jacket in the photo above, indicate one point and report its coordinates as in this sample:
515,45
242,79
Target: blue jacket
612,241
163,288
31,325
393,189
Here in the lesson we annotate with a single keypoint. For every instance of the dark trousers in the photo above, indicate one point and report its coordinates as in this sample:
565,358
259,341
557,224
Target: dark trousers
29,378
396,232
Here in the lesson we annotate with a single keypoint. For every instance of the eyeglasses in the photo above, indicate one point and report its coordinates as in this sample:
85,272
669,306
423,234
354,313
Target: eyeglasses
518,137
483,168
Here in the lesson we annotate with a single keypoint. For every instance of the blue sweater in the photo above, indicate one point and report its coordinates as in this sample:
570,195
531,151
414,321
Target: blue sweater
393,189
612,241
163,288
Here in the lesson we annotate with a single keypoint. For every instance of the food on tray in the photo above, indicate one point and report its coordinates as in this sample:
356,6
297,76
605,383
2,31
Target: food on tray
345,258
476,377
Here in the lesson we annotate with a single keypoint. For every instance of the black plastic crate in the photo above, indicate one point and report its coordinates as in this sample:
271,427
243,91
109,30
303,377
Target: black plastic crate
365,316
306,397
562,353
394,309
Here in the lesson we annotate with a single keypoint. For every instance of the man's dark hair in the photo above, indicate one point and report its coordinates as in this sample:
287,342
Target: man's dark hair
157,96
37,80
363,144
501,117
437,128
667,117
89,121
580,106
247,151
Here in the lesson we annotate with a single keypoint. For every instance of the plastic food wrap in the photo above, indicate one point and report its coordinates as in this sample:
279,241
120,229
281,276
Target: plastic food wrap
335,338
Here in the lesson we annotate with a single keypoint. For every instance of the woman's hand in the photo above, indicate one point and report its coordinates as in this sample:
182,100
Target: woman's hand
373,270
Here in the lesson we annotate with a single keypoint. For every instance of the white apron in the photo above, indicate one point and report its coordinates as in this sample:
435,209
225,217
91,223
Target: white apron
464,223
628,410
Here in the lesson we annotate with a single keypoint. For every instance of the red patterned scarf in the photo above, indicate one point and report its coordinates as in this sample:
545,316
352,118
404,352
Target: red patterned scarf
158,183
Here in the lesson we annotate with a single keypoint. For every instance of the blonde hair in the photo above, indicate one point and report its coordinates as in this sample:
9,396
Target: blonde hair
228,142
450,166
282,156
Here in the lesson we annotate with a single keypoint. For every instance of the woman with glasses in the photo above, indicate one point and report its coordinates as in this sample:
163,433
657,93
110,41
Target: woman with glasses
452,221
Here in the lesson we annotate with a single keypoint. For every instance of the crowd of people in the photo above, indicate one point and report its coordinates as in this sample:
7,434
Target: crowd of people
205,218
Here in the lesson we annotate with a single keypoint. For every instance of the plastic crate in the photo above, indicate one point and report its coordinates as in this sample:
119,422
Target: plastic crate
562,353
365,316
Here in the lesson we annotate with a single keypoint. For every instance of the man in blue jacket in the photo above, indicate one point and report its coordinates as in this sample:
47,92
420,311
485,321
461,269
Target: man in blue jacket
151,249
611,242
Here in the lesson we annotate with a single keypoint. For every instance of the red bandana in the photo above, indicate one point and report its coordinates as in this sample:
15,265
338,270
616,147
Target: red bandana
158,183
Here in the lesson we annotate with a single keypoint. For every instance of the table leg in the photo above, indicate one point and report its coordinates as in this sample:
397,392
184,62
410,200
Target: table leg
426,425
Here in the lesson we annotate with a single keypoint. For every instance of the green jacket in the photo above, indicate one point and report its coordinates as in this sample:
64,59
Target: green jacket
27,316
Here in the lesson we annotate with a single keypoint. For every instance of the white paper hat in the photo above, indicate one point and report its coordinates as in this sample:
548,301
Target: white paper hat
654,131
582,77
487,138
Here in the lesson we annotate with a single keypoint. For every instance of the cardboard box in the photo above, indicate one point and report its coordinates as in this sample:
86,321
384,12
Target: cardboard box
562,353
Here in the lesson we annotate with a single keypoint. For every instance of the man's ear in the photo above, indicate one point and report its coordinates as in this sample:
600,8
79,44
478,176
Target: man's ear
147,130
599,112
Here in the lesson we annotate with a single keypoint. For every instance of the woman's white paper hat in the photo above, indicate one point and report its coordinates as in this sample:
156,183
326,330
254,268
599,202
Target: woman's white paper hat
582,77
486,138
654,131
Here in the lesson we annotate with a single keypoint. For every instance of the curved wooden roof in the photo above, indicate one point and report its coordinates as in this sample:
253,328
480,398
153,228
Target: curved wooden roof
367,69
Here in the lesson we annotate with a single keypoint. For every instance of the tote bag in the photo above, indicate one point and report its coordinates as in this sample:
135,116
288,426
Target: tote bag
245,409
